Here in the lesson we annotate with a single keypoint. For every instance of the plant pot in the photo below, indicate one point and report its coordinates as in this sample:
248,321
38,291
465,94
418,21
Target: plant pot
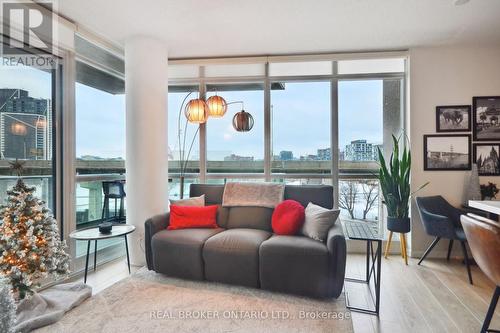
397,224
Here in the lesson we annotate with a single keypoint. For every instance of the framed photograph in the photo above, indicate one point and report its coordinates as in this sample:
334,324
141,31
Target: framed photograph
453,118
447,152
486,156
486,116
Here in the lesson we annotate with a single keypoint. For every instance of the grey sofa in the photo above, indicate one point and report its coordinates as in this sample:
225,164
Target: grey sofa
244,251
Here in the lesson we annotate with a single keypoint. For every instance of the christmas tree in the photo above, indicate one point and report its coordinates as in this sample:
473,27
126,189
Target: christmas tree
29,240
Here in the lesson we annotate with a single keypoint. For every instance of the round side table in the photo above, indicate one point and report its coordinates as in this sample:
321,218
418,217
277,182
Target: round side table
92,234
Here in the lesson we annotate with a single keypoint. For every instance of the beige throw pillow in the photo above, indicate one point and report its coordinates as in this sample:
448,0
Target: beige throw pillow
194,201
318,221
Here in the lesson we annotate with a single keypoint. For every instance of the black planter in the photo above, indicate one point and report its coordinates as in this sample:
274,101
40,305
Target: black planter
396,224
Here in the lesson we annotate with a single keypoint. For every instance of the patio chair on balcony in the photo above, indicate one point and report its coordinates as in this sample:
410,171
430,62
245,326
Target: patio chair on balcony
114,190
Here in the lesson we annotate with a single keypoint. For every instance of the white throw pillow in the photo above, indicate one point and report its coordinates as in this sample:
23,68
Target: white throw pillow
194,201
318,221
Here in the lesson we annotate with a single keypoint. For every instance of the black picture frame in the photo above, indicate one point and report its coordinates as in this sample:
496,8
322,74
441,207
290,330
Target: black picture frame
452,118
492,168
435,161
484,130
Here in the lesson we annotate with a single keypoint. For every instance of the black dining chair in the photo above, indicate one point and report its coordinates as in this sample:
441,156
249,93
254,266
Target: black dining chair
442,220
484,241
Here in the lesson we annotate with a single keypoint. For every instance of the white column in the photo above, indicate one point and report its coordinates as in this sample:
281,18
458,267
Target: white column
146,88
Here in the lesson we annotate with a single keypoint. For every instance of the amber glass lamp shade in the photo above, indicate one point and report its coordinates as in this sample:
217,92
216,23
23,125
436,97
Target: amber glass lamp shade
18,129
243,121
217,106
196,111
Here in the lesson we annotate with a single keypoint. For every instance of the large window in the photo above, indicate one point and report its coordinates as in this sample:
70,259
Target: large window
301,135
301,127
360,136
27,112
230,151
369,110
100,146
99,143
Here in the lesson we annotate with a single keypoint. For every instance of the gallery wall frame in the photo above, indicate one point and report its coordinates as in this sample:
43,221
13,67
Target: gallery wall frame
453,118
486,118
487,158
447,152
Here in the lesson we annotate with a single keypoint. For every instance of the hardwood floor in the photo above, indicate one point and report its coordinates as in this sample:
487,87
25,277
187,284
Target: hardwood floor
433,297
107,274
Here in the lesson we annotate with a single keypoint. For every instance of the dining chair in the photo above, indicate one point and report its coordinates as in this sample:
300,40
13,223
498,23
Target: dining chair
484,241
442,220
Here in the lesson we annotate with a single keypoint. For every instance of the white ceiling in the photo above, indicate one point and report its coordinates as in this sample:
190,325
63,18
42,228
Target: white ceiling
201,28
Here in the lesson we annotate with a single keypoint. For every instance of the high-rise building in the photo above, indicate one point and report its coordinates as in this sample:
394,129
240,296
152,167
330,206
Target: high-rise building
325,154
359,150
375,151
25,125
286,155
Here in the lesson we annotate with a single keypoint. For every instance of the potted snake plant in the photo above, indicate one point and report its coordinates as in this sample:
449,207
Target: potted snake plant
394,180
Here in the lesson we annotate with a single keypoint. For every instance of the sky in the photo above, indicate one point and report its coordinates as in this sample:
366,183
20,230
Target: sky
300,113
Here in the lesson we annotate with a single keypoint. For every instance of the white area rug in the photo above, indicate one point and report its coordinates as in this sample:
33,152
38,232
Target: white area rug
151,302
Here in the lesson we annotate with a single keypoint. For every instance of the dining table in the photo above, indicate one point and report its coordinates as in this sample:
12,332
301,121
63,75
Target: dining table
492,207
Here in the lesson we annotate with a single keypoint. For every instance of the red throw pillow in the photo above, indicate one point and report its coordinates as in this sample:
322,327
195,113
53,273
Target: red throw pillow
184,217
288,217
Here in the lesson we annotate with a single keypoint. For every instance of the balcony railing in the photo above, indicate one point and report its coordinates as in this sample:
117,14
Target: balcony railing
357,186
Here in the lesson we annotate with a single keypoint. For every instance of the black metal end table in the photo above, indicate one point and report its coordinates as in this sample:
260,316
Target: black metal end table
364,232
92,234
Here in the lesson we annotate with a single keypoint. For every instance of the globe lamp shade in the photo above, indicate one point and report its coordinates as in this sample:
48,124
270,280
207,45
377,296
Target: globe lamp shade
217,106
196,111
242,121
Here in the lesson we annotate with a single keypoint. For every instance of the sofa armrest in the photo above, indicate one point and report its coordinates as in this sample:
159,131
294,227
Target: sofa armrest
151,227
336,245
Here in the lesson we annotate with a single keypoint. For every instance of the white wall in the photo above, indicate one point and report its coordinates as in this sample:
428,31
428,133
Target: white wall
445,76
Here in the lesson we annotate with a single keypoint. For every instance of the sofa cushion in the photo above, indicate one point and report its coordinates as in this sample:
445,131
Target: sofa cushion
321,195
213,192
294,264
232,256
179,252
250,217
222,214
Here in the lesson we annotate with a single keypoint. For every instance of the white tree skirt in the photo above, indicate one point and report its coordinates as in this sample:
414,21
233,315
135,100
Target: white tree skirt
48,306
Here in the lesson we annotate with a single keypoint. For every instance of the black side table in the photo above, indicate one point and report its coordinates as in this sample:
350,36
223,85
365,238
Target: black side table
364,232
93,234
